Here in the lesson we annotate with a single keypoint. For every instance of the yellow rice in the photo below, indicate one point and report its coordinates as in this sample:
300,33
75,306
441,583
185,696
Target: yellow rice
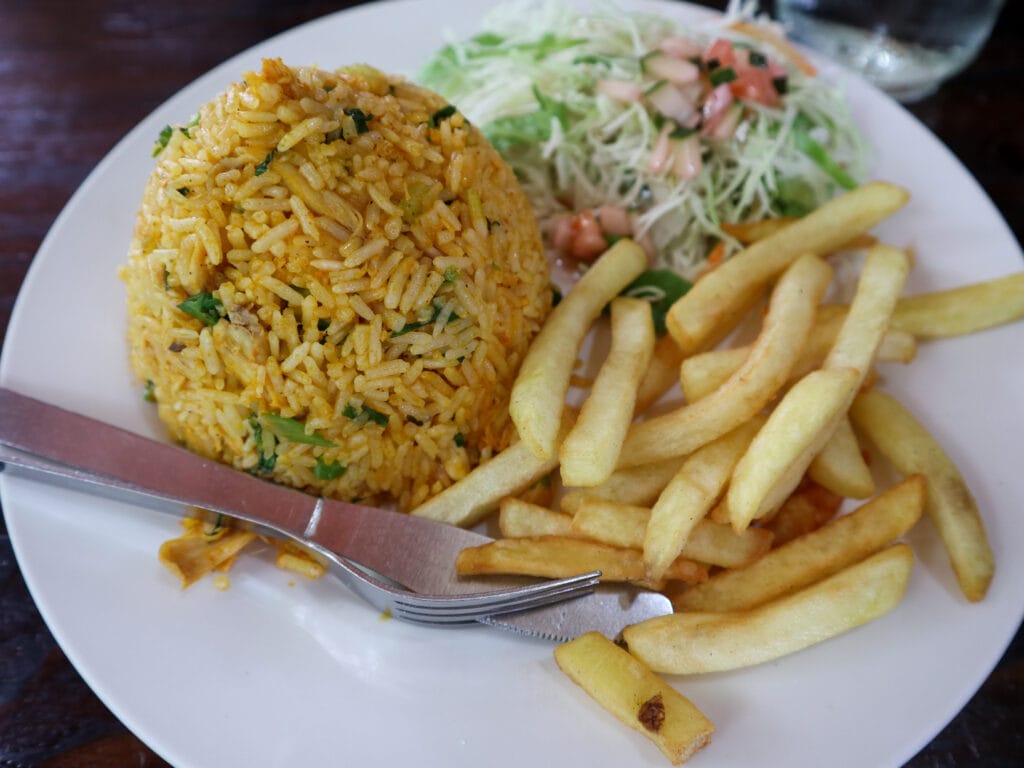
379,275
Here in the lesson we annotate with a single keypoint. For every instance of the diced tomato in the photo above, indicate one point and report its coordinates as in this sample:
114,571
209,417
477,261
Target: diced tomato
755,84
721,51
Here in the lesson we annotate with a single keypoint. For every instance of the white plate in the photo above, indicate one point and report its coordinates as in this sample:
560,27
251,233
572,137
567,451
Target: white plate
271,673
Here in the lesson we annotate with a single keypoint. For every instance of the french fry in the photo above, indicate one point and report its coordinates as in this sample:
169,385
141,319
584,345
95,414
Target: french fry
591,449
813,409
962,310
840,465
517,518
808,508
805,560
690,495
538,393
661,375
625,525
880,285
559,557
688,644
701,374
637,697
611,522
467,501
712,306
794,433
751,387
750,232
911,449
897,347
634,485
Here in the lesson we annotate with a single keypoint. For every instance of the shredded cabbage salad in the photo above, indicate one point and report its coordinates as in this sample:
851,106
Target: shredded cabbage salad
647,129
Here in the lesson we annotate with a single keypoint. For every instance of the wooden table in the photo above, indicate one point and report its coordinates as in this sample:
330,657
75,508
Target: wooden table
76,75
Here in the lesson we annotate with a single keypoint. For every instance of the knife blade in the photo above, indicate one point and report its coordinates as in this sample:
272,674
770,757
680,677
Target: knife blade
37,438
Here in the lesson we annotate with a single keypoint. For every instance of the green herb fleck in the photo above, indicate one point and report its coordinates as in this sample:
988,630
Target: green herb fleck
363,414
183,191
264,462
295,431
163,140
442,114
451,275
203,306
265,165
758,60
460,439
438,305
328,470
722,75
149,391
360,118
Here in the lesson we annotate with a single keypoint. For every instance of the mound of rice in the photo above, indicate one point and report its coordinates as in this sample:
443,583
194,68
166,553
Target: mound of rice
332,282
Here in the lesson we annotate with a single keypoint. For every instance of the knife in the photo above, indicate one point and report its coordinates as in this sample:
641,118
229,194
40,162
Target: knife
44,441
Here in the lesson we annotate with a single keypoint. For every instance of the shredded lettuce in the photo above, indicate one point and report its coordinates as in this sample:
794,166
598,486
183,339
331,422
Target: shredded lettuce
529,80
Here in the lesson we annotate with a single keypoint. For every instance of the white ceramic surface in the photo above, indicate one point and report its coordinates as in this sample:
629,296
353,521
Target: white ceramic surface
276,673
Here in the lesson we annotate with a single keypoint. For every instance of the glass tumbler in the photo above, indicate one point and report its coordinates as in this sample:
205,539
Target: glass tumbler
905,47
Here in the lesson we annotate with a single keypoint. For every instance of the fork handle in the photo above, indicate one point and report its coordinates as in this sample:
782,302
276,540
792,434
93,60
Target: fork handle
39,437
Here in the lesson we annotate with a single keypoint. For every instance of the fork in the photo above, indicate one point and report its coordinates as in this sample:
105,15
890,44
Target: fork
400,564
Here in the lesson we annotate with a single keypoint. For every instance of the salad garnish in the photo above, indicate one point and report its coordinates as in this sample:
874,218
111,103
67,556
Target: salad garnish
627,124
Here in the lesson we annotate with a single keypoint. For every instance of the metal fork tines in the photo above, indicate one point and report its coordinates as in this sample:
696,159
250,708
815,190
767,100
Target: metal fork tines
466,608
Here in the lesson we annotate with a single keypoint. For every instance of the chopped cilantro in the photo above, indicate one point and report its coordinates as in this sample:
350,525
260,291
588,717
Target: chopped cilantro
722,75
328,470
265,165
363,414
295,431
460,439
162,140
264,462
203,306
149,392
360,118
451,275
438,306
442,114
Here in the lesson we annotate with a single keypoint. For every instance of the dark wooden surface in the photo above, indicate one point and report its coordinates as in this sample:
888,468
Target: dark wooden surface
76,75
